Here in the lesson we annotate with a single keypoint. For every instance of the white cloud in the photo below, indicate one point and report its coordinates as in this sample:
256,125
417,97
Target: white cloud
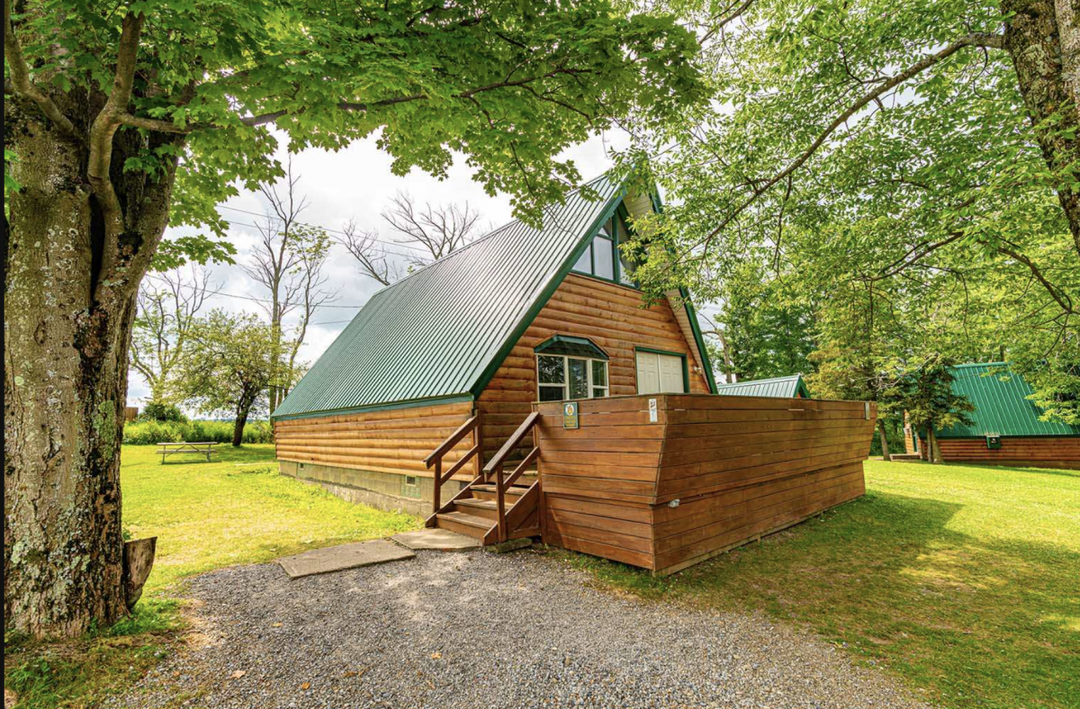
355,183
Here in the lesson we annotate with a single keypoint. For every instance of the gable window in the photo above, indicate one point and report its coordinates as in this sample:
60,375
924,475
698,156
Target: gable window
570,368
602,257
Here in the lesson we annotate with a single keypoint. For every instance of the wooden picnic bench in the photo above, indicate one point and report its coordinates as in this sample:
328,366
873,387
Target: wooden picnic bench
200,447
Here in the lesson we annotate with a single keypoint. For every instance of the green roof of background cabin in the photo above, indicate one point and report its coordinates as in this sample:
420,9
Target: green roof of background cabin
1001,404
440,333
778,387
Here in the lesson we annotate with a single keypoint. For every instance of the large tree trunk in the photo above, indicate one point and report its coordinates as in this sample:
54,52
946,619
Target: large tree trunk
65,384
1044,43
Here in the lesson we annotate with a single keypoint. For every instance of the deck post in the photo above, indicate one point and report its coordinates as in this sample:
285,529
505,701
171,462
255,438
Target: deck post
437,492
500,492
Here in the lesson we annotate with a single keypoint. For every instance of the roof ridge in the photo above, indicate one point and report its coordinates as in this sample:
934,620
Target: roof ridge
981,364
485,237
766,379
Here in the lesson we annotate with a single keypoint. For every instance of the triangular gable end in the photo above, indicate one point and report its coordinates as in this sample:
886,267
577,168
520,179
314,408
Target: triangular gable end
441,333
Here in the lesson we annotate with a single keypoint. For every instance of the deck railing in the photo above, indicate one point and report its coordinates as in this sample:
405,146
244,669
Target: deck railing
471,426
495,468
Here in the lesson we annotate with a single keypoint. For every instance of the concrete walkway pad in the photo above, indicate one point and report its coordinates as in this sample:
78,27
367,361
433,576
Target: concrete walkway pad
438,539
339,558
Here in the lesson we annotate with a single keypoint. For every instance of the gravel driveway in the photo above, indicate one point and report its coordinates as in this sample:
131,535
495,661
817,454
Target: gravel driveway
482,630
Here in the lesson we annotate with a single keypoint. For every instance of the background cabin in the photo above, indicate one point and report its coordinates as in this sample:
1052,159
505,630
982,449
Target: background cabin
442,396
1006,428
791,387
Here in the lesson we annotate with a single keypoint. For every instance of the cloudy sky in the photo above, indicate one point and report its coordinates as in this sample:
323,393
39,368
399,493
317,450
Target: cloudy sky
355,184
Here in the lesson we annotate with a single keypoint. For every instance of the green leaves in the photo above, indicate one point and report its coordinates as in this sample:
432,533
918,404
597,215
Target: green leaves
199,248
509,85
926,221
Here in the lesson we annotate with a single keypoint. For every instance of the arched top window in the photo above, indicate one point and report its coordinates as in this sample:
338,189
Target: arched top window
570,368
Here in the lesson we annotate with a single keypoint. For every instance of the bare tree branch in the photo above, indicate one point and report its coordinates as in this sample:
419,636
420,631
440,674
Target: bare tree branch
167,307
363,245
439,230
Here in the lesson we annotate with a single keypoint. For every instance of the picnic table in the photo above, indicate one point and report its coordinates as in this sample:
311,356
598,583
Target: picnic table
200,447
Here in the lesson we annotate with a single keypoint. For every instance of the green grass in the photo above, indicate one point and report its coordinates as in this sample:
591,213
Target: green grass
236,510
963,580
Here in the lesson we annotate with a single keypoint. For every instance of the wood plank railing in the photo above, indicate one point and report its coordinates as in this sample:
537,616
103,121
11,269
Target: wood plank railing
471,426
495,468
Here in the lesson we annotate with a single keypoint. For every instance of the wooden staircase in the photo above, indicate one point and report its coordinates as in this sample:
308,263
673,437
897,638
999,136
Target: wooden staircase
495,506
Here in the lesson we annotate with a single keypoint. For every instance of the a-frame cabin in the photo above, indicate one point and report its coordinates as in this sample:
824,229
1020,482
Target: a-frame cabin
461,373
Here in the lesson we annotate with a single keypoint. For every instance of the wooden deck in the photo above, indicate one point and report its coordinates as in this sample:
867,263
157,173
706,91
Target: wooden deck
709,473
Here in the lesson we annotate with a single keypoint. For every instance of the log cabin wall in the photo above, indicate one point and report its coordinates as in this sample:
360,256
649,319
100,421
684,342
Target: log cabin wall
1034,451
364,457
611,316
739,467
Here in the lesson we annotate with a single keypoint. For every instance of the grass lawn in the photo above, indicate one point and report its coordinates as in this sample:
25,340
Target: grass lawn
236,510
963,580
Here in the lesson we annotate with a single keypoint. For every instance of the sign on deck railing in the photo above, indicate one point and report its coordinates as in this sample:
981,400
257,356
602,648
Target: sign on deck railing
570,415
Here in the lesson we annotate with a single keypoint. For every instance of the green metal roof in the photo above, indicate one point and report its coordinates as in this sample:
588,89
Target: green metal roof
1001,404
571,346
778,387
442,331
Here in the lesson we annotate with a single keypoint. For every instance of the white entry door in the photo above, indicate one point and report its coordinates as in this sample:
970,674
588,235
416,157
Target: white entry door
659,374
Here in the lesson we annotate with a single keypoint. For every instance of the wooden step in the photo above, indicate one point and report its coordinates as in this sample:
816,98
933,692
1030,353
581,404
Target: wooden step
488,509
488,492
464,523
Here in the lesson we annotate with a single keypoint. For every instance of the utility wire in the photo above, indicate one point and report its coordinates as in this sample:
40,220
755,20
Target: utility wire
324,228
258,300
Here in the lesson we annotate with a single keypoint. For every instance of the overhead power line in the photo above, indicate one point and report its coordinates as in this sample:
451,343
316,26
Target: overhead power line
259,300
324,228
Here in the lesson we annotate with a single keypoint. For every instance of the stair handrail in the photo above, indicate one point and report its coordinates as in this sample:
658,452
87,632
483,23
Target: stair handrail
495,465
435,457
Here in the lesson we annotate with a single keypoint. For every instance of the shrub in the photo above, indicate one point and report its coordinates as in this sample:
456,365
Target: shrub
147,433
155,411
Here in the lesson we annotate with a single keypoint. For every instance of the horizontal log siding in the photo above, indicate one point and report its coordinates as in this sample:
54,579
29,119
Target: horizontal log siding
609,315
740,467
1036,451
391,441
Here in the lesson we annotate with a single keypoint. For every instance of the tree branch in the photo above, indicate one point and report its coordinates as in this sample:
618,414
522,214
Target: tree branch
972,40
101,140
20,82
1062,298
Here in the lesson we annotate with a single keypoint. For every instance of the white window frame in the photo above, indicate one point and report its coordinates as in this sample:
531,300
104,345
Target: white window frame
565,386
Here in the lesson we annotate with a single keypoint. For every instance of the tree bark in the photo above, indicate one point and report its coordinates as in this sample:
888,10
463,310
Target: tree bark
1044,55
933,453
66,366
238,427
884,440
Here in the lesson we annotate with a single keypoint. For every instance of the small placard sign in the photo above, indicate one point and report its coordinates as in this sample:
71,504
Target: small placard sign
570,415
652,410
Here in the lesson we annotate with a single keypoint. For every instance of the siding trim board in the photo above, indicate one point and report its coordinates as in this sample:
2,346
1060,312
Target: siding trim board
600,502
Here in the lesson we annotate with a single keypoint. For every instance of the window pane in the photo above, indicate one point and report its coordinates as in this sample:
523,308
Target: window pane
584,264
626,269
605,266
620,230
551,369
599,373
551,394
605,228
597,392
579,379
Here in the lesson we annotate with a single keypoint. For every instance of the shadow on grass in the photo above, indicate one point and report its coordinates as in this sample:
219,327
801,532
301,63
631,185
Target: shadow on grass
977,621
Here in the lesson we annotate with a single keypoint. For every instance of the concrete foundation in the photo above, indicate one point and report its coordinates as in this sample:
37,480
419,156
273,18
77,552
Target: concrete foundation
385,491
